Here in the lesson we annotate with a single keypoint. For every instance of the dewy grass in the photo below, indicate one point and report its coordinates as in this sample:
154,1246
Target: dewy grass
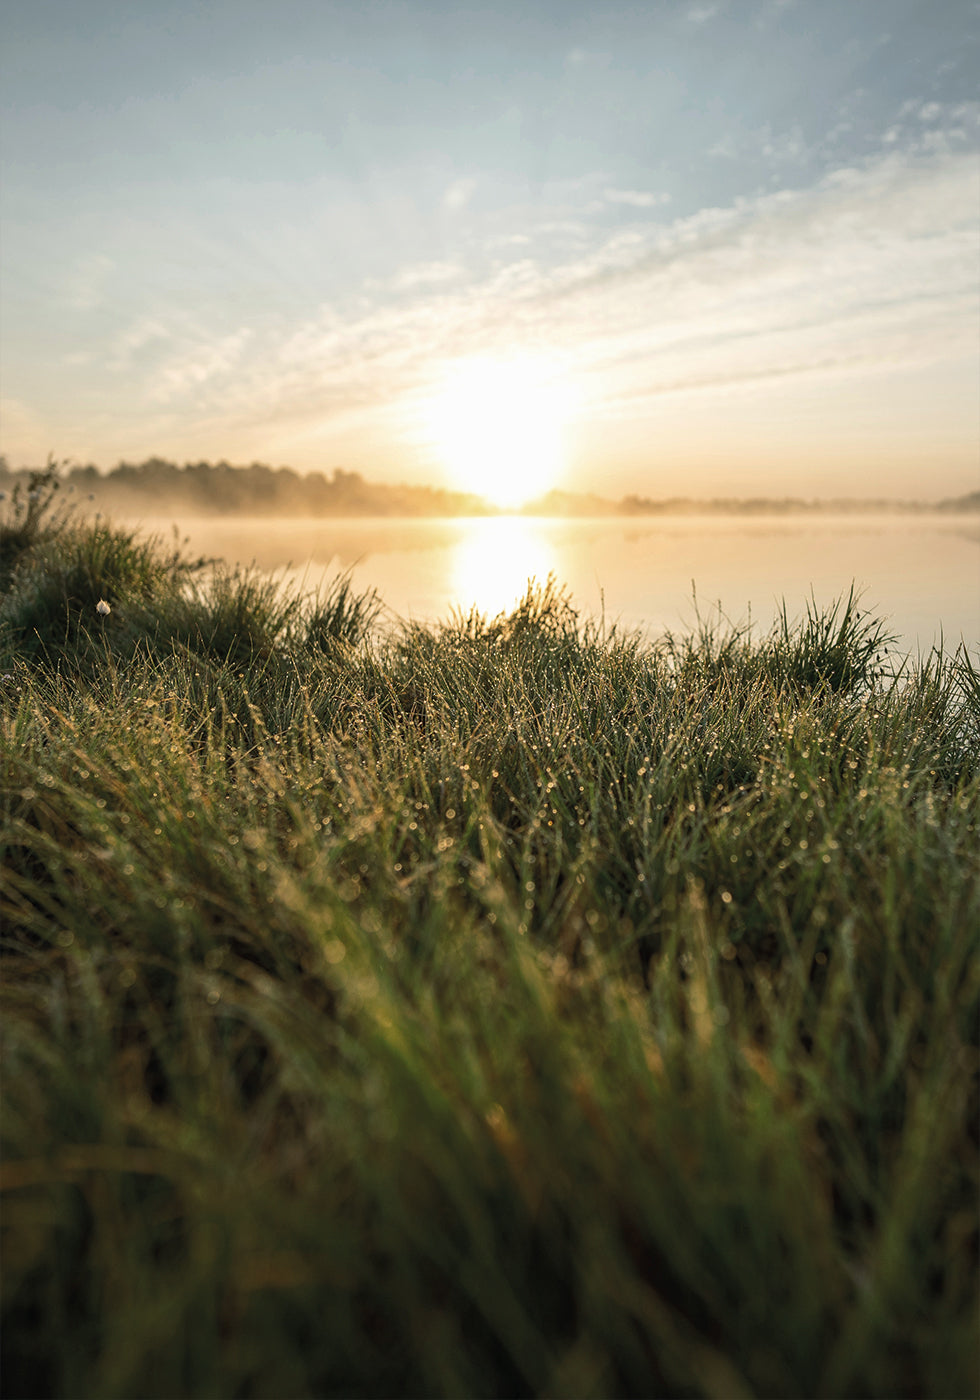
506,1007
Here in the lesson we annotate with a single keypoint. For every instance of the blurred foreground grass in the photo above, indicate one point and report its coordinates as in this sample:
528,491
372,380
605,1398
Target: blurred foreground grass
507,1007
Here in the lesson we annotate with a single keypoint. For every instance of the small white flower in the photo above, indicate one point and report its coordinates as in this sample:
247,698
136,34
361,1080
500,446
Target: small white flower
103,608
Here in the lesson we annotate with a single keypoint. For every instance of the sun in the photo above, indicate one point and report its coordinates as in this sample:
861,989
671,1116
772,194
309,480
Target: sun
499,427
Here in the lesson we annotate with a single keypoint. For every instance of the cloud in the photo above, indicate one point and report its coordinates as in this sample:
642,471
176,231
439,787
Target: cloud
459,193
173,358
638,199
191,369
726,148
775,147
870,272
145,331
702,13
782,147
425,275
947,126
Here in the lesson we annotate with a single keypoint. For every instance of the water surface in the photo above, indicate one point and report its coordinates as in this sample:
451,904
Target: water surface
921,573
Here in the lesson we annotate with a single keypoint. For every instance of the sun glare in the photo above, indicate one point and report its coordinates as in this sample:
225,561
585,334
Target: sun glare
499,427
496,559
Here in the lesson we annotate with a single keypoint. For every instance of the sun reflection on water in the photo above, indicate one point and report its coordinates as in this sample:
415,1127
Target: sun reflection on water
494,559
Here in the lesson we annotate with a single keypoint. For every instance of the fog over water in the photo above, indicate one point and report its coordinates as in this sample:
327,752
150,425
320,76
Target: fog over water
921,573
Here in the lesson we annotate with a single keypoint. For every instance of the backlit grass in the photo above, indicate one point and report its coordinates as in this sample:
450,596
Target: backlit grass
507,1007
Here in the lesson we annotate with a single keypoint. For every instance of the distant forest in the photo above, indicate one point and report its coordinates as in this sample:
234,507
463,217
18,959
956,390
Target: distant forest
205,488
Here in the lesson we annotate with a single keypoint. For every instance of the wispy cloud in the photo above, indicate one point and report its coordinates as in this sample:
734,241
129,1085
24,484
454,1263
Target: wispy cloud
426,275
578,58
872,270
775,147
638,199
459,193
726,148
702,13
188,370
143,332
782,147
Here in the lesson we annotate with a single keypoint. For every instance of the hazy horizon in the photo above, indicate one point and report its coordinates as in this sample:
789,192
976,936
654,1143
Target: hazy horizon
703,249
239,489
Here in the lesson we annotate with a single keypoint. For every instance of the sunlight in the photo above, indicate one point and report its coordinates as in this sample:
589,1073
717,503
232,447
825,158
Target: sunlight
494,560
499,427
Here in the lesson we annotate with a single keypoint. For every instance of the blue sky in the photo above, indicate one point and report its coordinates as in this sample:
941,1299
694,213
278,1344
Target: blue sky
742,237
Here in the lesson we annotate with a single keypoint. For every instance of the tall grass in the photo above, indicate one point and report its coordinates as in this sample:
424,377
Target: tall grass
501,1007
33,512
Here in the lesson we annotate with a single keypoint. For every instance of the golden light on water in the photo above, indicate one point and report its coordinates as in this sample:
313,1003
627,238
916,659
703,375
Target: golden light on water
495,558
500,427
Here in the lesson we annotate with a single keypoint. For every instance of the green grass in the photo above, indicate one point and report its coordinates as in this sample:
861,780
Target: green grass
507,1007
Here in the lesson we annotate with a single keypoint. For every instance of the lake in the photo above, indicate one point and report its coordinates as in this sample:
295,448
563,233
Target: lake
921,573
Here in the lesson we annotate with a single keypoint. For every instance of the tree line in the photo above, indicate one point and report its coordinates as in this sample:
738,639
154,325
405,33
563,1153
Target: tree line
219,488
158,486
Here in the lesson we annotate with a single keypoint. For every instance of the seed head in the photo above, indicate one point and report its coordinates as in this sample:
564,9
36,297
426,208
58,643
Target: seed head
103,608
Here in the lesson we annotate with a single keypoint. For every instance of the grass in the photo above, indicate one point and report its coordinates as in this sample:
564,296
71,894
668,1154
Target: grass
505,1007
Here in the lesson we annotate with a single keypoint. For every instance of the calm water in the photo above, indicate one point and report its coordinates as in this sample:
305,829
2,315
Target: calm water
921,573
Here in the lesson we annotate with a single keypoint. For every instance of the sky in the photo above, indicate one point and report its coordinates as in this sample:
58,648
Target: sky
712,247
